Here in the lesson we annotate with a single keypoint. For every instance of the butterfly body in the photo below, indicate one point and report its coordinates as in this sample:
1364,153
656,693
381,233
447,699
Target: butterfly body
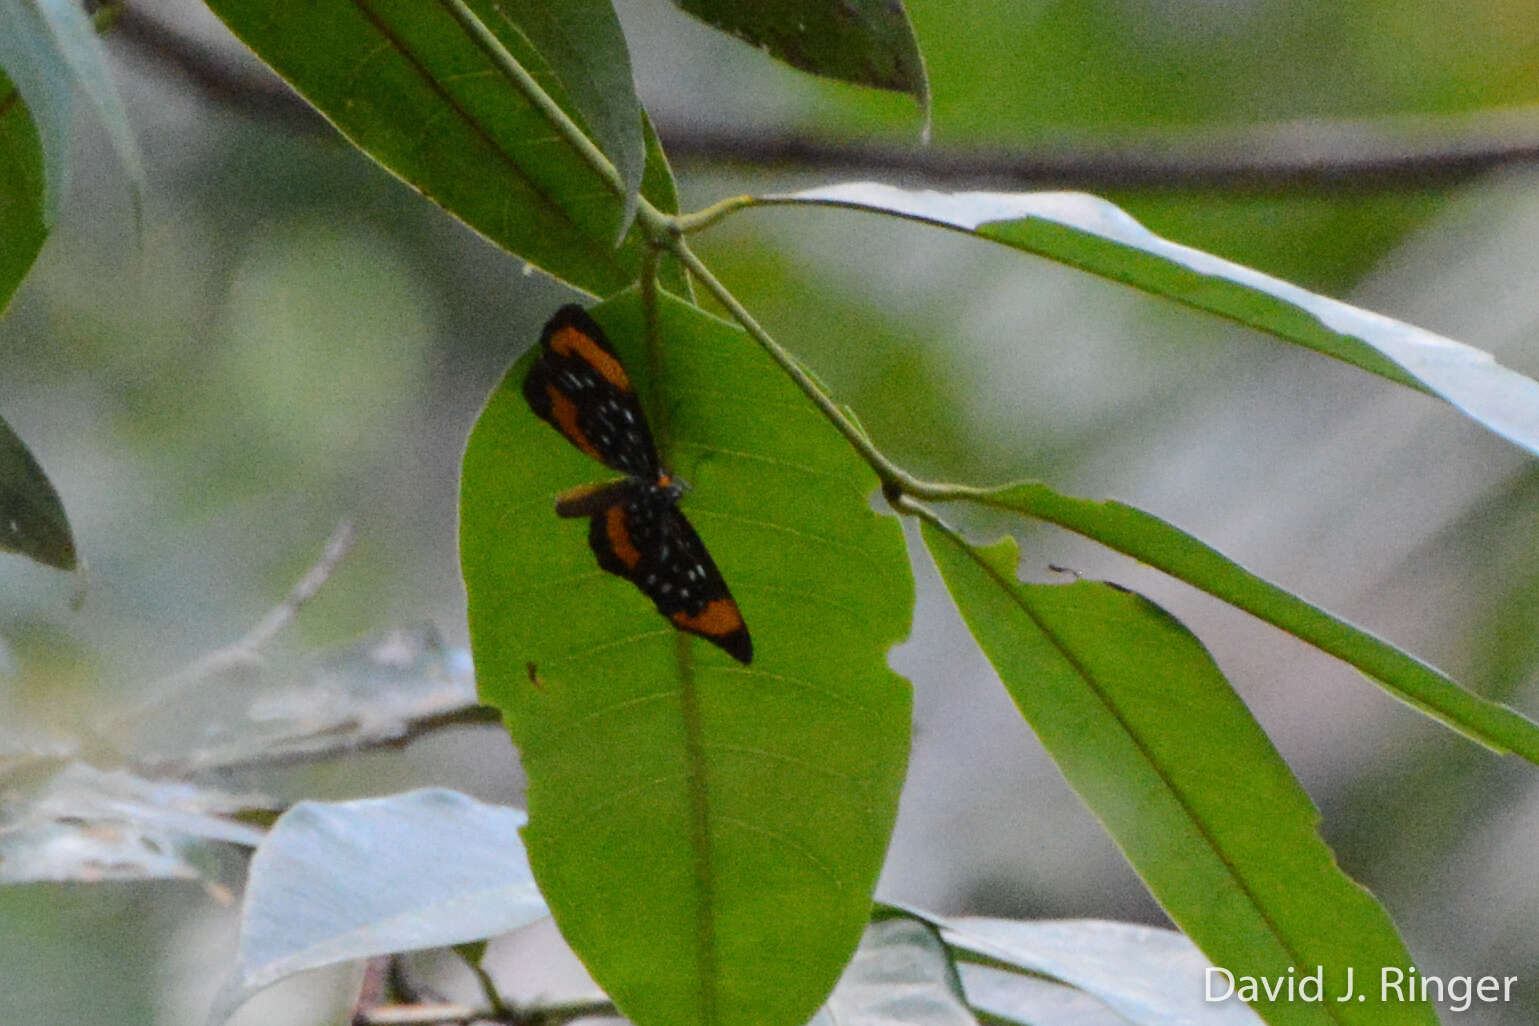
635,527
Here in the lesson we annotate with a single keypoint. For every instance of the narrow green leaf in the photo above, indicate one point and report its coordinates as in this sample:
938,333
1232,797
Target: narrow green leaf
408,85
867,42
22,224
708,834
1151,540
1093,235
339,881
32,520
1153,739
51,51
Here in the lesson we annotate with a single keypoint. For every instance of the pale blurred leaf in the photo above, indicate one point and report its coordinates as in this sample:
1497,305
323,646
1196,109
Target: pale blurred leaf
244,710
901,975
85,824
335,882
51,51
1033,1000
1149,976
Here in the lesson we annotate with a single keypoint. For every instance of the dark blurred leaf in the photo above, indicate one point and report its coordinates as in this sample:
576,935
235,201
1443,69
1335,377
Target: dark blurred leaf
87,825
242,710
51,51
1150,735
22,225
1153,541
1150,977
1093,235
32,520
867,42
339,881
408,86
689,814
901,975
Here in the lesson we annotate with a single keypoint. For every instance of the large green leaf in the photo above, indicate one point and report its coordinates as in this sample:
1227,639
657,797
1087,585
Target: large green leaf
1153,739
707,834
1091,234
52,53
868,42
1151,540
408,85
22,224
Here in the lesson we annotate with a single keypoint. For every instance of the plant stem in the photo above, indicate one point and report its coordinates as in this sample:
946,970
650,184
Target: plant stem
686,224
895,480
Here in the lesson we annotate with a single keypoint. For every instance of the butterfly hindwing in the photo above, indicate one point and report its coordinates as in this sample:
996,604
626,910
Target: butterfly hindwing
580,388
637,532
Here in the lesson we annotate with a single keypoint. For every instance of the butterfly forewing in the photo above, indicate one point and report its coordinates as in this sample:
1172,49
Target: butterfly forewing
580,388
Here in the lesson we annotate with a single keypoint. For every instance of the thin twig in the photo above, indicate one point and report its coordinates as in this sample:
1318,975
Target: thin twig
460,1015
304,589
244,650
419,1015
1361,154
471,714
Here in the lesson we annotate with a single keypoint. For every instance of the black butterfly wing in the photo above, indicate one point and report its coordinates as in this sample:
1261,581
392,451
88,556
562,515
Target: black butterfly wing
580,388
637,532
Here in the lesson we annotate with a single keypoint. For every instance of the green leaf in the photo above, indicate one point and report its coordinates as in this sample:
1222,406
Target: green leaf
1093,235
407,84
1151,540
339,881
867,42
1152,738
32,520
707,834
51,51
22,224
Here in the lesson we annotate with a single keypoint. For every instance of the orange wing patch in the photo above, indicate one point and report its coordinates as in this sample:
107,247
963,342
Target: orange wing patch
565,413
620,537
568,341
719,618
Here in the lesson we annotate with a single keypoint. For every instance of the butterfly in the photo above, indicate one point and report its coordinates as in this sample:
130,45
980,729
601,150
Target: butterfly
635,527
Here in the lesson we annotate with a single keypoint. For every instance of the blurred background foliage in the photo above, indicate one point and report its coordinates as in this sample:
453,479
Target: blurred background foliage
297,339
